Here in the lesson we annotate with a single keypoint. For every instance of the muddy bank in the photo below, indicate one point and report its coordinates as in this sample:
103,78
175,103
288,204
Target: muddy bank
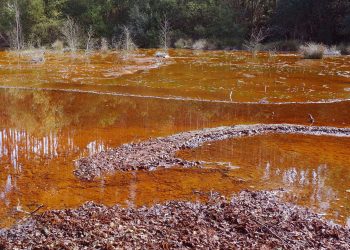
161,152
250,220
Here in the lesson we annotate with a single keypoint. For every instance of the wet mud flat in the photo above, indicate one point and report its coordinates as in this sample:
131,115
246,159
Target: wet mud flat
161,152
250,220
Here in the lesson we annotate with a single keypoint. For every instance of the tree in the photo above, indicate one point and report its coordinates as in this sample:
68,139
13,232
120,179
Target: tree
165,33
71,32
227,23
16,35
90,40
310,20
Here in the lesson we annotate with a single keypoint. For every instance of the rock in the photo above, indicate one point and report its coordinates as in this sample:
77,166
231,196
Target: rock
38,59
160,54
263,101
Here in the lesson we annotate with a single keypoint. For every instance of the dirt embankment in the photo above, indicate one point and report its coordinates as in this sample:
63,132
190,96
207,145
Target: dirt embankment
251,220
161,152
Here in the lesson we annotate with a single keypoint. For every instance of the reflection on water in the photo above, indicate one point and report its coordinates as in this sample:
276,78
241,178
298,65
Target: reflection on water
312,179
43,132
316,169
13,140
221,76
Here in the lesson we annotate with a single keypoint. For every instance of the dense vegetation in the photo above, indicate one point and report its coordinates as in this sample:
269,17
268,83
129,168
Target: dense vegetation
226,23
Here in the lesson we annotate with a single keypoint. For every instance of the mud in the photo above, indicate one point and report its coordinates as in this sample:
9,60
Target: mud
161,152
250,220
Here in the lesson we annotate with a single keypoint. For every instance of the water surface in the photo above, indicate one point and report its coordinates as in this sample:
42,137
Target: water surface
73,106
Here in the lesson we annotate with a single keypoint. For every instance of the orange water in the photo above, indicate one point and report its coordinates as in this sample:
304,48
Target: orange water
315,170
224,76
72,106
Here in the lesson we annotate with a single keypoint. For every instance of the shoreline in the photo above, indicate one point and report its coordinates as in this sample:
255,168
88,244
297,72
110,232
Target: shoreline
249,220
161,152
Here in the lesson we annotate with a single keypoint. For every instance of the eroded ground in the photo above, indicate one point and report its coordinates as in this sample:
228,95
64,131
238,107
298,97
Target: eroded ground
56,112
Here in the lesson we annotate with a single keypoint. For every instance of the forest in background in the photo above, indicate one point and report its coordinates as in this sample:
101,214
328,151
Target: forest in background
225,23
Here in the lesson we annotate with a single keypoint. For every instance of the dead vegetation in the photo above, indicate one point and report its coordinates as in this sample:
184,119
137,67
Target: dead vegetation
250,220
16,39
254,44
313,50
90,40
164,36
161,152
126,44
344,49
183,43
72,34
203,44
58,45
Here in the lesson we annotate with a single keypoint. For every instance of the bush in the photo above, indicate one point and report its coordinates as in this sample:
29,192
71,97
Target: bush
200,44
126,43
344,49
313,50
104,45
183,43
58,45
72,33
332,51
203,44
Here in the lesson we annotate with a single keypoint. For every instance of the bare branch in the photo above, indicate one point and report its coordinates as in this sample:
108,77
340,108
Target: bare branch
165,33
127,44
71,32
89,41
256,38
16,36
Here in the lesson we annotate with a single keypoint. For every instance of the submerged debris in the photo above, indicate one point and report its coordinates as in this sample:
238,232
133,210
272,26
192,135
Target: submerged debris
251,220
161,152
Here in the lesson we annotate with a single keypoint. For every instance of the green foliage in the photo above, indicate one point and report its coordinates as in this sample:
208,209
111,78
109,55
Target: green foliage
6,17
311,20
227,23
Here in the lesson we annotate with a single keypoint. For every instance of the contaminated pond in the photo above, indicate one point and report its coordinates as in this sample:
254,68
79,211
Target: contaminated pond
75,105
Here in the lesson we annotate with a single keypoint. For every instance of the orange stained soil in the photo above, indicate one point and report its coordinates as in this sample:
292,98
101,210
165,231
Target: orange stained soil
54,112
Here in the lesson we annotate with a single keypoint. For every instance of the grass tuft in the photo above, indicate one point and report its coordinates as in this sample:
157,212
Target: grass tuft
313,50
